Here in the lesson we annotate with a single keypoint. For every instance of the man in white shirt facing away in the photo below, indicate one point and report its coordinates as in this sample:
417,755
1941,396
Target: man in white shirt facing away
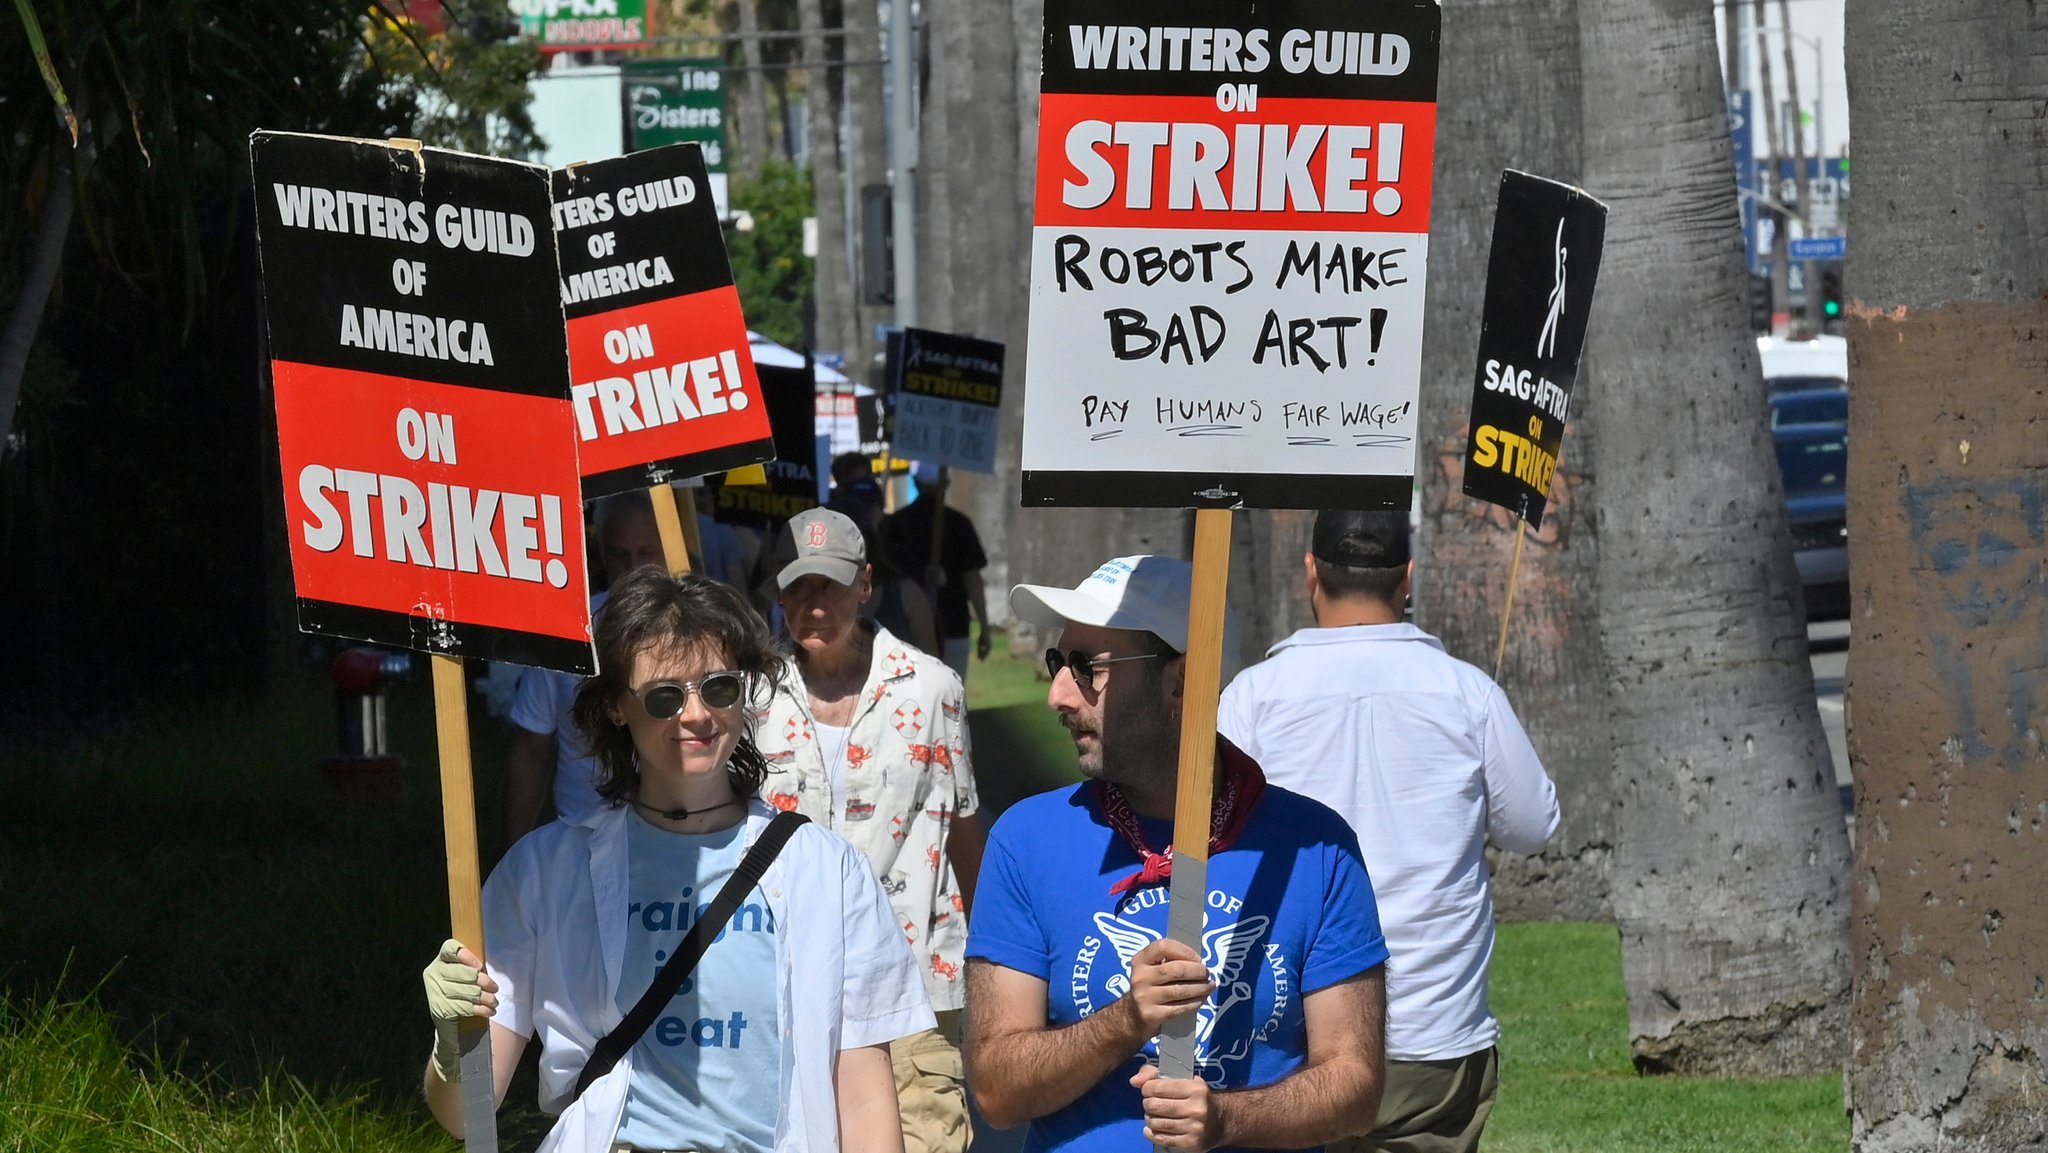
1422,754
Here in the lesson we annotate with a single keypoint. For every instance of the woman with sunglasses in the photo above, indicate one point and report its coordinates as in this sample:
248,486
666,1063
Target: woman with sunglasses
780,1036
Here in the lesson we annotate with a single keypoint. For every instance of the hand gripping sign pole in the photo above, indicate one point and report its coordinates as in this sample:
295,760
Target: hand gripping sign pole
1540,275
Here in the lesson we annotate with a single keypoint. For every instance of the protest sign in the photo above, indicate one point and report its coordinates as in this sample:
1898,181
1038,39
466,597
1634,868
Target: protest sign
793,475
1540,275
946,392
1228,254
665,385
422,391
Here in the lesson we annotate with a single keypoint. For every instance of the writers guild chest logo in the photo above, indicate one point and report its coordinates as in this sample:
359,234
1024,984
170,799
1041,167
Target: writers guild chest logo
1223,1034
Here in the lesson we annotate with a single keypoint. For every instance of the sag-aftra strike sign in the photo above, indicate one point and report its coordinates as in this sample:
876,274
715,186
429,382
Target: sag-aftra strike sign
1228,250
423,415
1540,275
665,385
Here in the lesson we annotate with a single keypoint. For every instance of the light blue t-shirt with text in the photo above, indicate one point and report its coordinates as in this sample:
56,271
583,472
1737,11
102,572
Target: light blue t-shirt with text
706,1074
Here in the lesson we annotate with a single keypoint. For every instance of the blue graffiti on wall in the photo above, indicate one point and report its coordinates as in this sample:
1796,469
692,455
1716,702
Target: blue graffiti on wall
1979,553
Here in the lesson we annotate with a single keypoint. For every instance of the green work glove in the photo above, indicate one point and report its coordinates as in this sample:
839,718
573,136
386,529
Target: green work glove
455,990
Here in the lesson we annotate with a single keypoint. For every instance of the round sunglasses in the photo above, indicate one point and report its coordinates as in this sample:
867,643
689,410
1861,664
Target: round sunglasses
664,699
1082,664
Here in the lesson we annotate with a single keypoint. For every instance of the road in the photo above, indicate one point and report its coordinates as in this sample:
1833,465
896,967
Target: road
1829,641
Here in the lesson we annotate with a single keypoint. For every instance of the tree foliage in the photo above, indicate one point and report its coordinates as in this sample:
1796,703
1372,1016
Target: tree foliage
167,92
768,261
134,469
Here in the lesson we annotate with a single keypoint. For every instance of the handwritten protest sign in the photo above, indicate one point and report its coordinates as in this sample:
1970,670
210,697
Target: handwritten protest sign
1540,275
948,393
792,477
1228,253
665,385
422,389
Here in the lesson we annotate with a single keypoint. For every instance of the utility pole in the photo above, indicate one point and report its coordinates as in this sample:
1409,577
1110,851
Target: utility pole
1767,110
1813,303
903,157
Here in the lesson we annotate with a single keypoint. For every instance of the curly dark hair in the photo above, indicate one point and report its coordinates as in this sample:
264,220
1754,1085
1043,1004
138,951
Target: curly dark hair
649,609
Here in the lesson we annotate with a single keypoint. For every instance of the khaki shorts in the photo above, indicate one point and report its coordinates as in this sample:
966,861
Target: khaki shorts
931,1088
1432,1106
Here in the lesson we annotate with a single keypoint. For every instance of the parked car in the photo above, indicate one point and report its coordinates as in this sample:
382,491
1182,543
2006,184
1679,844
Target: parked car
1828,405
1812,362
1813,463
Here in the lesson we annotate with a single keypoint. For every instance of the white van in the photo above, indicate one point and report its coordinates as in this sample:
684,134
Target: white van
1817,362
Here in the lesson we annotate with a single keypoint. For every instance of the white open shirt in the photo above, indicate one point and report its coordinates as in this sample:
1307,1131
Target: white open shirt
1422,754
845,977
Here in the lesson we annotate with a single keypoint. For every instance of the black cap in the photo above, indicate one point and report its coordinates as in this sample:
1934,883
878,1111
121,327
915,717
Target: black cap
1357,539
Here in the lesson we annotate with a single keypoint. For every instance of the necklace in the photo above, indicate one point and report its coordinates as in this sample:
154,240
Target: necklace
686,814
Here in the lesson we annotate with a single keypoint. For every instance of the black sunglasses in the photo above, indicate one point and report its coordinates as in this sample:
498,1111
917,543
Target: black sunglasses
664,699
1082,664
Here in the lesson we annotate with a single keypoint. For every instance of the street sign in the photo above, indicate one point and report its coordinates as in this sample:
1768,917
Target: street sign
665,381
679,102
1819,248
566,25
422,391
1228,251
1540,276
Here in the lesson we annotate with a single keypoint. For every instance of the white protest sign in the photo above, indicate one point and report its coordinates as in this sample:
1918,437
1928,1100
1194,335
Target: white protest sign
1228,251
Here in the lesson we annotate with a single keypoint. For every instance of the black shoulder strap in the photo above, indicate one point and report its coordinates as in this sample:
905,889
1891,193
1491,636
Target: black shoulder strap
615,1044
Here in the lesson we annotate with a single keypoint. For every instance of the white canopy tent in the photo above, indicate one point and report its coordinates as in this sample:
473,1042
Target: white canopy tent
839,396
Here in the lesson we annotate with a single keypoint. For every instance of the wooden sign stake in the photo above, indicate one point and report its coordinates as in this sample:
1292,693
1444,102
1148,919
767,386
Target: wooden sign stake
693,535
465,893
668,520
1500,651
1194,798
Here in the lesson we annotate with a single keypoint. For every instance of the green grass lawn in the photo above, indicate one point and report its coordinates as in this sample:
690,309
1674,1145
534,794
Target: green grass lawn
1567,1084
201,948
1019,746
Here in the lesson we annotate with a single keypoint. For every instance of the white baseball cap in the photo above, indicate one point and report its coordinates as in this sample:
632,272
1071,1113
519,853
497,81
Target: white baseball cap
1148,593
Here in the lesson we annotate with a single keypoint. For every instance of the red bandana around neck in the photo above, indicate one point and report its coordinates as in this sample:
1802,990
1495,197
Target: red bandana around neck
1243,784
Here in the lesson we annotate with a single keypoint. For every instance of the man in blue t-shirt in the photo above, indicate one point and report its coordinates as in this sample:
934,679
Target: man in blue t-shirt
1070,974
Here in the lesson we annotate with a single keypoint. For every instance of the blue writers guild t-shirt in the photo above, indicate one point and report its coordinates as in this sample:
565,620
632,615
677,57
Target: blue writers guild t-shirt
1290,911
707,1073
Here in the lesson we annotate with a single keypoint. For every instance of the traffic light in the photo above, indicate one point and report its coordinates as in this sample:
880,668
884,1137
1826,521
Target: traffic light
1831,295
1760,305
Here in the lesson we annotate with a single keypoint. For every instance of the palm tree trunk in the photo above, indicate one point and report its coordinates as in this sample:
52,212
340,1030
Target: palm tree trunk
1730,867
864,157
753,111
832,277
1948,665
1509,98
46,258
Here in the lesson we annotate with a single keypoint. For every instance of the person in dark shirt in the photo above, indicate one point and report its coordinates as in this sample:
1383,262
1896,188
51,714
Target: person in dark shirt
956,576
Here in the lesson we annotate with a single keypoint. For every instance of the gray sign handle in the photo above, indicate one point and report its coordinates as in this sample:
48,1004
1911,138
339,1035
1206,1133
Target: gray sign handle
479,1092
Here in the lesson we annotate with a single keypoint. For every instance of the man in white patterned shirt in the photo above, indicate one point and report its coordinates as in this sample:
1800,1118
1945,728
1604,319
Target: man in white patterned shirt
868,737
